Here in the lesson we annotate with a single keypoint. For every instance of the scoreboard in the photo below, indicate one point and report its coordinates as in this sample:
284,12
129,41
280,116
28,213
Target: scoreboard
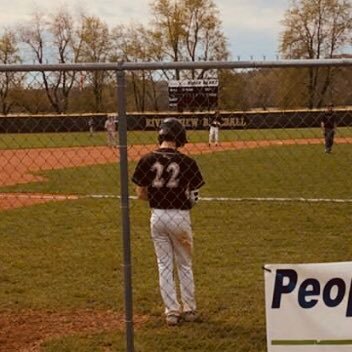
193,94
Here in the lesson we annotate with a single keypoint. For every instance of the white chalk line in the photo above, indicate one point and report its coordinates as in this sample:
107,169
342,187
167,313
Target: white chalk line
272,199
258,199
205,199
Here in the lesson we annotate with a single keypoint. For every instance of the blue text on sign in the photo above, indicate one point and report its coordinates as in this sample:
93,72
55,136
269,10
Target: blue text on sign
311,291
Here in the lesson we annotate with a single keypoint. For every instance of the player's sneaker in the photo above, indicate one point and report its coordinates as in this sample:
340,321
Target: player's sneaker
172,319
190,316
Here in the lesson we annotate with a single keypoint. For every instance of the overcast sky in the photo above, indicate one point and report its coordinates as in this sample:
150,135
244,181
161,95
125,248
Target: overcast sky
251,26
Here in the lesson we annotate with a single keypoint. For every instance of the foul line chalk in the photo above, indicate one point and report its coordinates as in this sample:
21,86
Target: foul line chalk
205,199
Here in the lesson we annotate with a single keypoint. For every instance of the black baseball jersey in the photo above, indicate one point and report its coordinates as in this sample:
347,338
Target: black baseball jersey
329,120
215,121
169,177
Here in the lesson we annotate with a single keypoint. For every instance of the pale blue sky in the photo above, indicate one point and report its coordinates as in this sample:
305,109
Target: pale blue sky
251,26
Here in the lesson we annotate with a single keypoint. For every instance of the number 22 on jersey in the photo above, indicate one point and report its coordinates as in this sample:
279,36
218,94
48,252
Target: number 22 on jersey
173,169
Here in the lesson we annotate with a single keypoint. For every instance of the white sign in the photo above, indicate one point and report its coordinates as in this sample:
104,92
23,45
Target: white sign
309,307
194,83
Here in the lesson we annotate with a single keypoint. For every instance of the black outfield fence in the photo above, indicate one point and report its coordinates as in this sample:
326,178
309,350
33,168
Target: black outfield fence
150,121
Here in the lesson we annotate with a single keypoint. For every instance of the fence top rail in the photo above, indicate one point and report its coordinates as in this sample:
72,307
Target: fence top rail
132,66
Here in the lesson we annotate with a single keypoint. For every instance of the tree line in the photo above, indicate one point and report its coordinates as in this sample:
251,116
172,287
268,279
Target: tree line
181,30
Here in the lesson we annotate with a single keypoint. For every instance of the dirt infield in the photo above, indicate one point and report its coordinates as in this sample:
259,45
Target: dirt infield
26,331
22,166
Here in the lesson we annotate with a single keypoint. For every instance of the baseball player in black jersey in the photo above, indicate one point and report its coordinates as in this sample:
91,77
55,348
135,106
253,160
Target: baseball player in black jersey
170,181
328,124
214,126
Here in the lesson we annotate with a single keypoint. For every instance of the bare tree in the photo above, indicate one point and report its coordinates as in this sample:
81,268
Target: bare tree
315,29
130,47
8,80
168,26
204,38
95,47
67,46
188,30
34,35
51,39
132,44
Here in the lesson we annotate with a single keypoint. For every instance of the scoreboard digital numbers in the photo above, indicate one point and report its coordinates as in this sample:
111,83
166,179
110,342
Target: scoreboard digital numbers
193,94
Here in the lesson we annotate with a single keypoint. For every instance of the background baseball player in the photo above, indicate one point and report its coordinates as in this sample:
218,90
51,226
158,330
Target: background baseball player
328,124
170,180
91,126
214,123
110,127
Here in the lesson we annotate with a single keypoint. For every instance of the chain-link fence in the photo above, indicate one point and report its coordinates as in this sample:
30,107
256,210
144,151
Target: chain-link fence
265,176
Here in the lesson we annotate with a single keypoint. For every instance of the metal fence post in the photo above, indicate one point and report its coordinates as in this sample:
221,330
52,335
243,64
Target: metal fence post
122,127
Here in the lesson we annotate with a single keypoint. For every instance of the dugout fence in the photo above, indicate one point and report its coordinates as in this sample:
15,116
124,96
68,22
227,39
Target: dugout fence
272,194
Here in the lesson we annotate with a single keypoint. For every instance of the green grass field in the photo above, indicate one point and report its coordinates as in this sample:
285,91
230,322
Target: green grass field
58,140
68,255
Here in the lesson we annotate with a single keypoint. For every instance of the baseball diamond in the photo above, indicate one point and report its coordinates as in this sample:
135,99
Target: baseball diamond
240,164
58,158
36,327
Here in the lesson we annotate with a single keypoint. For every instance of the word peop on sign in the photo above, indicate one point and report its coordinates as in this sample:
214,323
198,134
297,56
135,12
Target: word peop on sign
311,292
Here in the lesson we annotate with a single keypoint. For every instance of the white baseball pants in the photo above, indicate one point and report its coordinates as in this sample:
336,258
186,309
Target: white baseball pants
172,236
214,134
